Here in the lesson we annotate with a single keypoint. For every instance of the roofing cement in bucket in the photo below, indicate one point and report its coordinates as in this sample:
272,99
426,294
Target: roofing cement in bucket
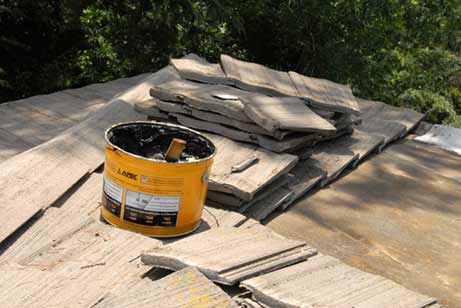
146,193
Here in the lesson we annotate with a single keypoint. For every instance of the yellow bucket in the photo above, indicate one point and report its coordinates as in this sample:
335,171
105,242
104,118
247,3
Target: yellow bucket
145,193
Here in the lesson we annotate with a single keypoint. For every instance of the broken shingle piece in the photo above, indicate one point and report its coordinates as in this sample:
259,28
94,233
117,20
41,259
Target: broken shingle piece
281,198
193,67
332,157
256,77
305,176
363,144
325,94
387,121
229,255
373,110
247,183
285,113
326,282
389,130
187,288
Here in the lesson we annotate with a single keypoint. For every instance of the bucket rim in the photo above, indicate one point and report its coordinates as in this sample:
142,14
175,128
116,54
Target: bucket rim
209,157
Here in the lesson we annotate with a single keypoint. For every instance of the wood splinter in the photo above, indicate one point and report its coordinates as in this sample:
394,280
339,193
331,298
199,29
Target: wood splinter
175,149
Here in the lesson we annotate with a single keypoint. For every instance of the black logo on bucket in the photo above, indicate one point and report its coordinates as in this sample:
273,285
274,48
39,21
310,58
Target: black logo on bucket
127,174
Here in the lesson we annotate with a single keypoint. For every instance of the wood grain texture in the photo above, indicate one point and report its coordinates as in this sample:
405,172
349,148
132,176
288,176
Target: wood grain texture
247,183
69,258
56,222
325,94
325,282
151,108
34,179
187,288
384,112
214,253
202,97
31,121
281,198
258,78
77,270
289,143
193,67
285,113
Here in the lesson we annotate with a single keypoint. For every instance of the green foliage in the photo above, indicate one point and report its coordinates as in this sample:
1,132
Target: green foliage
438,108
403,52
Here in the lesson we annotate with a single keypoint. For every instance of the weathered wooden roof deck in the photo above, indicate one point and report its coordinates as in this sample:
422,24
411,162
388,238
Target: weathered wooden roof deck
87,252
31,121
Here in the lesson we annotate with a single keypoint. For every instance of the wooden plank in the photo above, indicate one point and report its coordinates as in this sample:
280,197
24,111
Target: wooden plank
258,78
325,94
285,113
203,97
214,253
36,178
247,183
77,270
56,222
187,288
323,281
193,67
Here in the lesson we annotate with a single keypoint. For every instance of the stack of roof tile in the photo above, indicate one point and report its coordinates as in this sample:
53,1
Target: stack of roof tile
278,134
251,103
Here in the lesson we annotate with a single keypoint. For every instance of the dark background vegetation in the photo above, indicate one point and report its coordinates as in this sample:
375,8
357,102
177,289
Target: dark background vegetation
403,52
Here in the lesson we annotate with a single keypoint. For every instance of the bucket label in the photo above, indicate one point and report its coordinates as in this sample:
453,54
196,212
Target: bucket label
113,190
152,210
113,194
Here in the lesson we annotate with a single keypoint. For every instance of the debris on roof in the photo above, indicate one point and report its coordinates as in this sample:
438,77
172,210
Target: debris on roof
278,136
69,258
228,255
448,138
187,288
323,281
317,120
